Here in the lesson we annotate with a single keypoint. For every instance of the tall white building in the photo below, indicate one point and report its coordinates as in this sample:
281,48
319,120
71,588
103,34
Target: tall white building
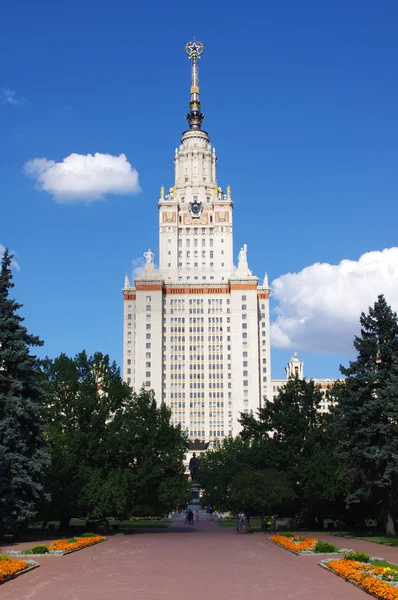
196,329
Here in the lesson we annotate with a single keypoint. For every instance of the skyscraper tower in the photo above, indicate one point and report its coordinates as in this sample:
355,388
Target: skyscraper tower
196,329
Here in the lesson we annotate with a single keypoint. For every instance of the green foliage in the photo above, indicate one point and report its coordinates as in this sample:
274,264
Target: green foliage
39,549
359,556
324,548
23,453
4,557
88,535
260,492
72,540
113,452
367,412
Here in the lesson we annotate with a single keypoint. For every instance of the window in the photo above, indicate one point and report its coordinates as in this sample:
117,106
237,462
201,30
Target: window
244,325
148,374
245,363
188,265
243,298
148,355
148,336
245,383
244,335
147,345
128,379
129,371
148,317
148,298
244,316
148,307
148,384
148,326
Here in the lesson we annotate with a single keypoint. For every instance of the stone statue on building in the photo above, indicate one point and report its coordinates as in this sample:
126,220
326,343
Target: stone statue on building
149,257
194,467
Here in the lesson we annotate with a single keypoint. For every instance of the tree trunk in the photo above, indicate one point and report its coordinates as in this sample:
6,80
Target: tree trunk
64,523
263,526
389,516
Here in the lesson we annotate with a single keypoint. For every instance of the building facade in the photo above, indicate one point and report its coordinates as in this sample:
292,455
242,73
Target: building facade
197,328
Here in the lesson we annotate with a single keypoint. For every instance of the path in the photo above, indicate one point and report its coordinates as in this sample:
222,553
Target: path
203,561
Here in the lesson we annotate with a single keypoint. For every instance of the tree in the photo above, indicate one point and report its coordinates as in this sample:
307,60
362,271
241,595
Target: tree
367,411
260,492
82,395
219,466
283,426
23,453
112,450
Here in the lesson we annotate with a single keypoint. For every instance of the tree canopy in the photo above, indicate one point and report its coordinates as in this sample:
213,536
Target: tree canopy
112,450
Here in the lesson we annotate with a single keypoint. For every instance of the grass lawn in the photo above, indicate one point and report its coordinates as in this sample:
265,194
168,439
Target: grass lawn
370,536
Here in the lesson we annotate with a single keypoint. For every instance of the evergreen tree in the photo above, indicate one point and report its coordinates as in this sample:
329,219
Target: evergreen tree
368,411
23,454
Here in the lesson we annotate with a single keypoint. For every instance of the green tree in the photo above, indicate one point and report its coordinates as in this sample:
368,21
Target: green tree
367,411
282,428
219,466
23,453
260,492
83,394
114,452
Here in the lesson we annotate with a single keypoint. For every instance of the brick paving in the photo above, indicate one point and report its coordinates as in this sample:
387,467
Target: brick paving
199,562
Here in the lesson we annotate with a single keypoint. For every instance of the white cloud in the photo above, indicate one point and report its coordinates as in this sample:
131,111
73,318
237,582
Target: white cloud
137,266
10,96
13,262
319,308
84,177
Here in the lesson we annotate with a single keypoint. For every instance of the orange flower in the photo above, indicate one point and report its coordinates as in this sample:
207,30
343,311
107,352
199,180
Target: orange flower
9,567
364,575
291,544
81,542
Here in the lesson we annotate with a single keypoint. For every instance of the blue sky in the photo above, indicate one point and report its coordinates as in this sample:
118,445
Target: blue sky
301,104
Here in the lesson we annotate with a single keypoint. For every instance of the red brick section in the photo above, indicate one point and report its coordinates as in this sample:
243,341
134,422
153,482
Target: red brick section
200,562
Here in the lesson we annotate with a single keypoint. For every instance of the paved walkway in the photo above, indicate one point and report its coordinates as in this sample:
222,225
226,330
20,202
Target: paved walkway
199,562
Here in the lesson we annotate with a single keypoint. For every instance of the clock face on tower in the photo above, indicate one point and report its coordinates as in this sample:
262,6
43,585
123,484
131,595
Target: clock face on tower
195,208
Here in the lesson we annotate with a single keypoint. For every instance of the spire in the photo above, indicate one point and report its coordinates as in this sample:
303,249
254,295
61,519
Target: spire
126,281
194,50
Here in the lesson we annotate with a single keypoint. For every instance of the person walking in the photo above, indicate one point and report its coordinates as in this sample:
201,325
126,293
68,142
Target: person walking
186,516
197,515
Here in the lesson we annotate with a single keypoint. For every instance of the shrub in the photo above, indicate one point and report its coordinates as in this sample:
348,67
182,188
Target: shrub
324,547
39,549
359,556
4,557
88,534
287,534
72,540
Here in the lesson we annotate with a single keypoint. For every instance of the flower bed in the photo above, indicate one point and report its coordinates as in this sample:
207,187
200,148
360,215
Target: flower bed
301,545
378,581
60,547
295,543
10,568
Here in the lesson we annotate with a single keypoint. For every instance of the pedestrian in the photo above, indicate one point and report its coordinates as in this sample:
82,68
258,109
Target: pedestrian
190,518
242,521
237,519
186,516
248,526
197,515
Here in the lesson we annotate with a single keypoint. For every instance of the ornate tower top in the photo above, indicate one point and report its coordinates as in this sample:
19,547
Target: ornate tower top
194,50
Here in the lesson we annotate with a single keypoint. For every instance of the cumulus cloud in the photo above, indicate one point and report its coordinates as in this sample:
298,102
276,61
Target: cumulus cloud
13,262
10,96
84,177
318,309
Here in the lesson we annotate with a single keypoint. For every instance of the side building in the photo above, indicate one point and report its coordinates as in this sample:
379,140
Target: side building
196,329
295,368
